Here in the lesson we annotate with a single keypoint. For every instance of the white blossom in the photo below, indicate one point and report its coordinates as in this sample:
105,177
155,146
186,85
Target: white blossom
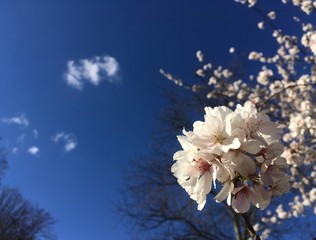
199,56
264,76
272,15
261,25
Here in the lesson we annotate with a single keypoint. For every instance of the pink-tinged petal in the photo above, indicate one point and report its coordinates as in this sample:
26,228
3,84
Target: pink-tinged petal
260,159
244,165
269,128
264,168
230,171
272,175
253,197
240,134
241,202
252,146
237,189
264,197
280,162
274,150
191,171
282,185
206,181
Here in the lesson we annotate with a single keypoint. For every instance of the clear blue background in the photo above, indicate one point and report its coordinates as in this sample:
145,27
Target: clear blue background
112,122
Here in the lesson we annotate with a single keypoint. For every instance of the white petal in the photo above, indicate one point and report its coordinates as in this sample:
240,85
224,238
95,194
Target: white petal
201,205
185,143
230,143
214,125
199,128
225,191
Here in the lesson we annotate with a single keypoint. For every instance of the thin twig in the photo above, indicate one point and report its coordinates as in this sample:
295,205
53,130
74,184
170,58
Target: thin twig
273,26
288,87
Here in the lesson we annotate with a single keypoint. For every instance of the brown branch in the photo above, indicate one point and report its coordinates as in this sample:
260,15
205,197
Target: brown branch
250,228
236,224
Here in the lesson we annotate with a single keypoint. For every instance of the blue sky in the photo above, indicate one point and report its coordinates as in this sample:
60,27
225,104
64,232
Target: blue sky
107,124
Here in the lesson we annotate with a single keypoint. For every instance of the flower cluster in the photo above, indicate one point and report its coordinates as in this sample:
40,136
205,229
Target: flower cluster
241,150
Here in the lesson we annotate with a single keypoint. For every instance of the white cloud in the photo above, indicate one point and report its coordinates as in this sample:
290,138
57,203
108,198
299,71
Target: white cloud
93,70
70,146
69,140
33,150
19,120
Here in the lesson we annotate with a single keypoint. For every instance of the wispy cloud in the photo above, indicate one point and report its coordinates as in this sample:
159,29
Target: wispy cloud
33,150
18,120
14,150
35,133
70,142
93,70
21,139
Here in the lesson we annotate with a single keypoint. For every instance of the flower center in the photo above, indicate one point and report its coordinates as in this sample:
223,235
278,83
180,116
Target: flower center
202,165
219,138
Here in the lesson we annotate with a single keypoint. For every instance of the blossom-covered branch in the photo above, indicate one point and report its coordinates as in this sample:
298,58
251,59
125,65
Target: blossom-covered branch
284,89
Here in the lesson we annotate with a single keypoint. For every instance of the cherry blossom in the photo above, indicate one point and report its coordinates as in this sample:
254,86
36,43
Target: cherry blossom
232,147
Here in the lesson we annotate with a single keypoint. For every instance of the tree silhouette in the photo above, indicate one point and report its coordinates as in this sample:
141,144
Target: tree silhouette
19,218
